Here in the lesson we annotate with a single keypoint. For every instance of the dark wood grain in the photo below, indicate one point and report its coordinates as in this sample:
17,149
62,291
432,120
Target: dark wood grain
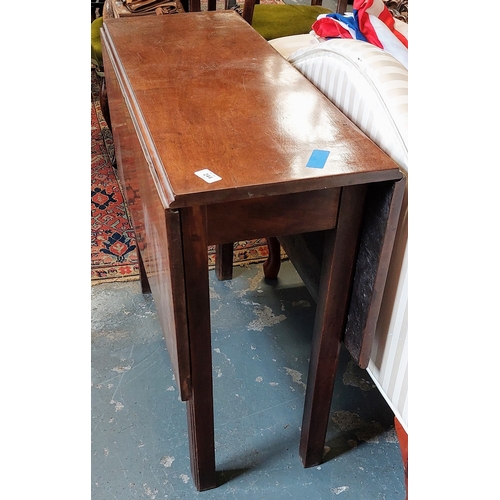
273,263
271,216
182,99
248,9
224,261
246,114
338,266
200,405
157,232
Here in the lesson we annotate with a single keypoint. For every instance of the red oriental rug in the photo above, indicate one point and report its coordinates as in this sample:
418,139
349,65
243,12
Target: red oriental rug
113,254
113,246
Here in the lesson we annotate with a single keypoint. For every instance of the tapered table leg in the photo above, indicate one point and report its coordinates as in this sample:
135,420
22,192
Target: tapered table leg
333,299
200,412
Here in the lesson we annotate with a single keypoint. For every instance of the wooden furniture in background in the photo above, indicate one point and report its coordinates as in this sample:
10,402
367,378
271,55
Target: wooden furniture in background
96,7
117,9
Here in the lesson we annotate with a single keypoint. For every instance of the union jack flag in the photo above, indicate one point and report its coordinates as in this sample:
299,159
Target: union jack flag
370,21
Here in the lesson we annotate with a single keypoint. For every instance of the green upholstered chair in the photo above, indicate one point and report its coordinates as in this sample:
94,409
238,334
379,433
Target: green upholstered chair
95,44
96,60
96,8
276,21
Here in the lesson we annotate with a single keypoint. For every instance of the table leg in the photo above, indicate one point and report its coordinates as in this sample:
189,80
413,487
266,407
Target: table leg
333,299
200,406
224,261
142,273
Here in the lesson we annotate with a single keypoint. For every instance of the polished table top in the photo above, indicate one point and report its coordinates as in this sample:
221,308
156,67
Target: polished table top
206,99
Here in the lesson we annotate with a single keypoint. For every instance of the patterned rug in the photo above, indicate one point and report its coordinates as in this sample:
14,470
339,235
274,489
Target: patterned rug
113,246
113,254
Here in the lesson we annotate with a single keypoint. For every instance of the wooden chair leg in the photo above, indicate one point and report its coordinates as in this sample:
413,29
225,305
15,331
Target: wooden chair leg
273,262
224,261
103,102
342,6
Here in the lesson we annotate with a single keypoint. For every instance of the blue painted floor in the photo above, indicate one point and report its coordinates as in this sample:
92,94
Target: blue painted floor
261,340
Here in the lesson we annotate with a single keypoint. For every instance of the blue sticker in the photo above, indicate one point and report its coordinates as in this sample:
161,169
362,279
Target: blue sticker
318,159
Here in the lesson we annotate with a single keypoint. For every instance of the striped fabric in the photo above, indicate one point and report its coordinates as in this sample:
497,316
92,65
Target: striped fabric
371,88
388,366
367,84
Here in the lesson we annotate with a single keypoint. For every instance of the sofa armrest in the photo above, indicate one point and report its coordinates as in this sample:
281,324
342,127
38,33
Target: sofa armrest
367,84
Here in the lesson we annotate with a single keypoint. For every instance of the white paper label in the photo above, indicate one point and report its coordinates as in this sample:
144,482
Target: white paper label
208,176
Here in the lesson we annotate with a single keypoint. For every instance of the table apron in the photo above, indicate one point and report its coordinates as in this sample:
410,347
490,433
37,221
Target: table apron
272,216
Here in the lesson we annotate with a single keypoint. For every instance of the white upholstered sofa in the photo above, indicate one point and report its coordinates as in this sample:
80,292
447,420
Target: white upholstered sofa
371,87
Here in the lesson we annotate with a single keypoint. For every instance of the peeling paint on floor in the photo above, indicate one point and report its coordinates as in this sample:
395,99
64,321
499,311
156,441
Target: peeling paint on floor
339,490
265,318
118,406
151,493
167,461
350,421
356,377
296,376
140,444
121,369
256,281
